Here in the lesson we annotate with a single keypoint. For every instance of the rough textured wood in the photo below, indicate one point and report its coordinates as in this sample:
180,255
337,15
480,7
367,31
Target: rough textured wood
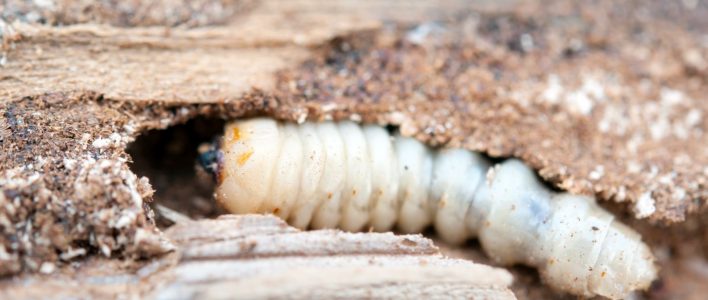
605,98
261,257
166,64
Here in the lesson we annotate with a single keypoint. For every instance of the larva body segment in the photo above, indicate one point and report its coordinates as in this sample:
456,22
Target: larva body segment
357,192
353,176
287,173
457,175
313,164
328,194
249,165
414,169
384,178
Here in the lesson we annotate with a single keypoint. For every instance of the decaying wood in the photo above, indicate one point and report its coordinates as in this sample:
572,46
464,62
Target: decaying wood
605,98
166,64
261,257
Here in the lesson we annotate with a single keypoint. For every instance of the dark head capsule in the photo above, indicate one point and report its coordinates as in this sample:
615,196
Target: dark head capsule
210,159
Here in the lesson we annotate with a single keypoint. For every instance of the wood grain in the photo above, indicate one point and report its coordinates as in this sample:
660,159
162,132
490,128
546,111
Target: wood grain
254,256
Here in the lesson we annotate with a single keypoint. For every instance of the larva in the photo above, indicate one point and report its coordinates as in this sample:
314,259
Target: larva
351,176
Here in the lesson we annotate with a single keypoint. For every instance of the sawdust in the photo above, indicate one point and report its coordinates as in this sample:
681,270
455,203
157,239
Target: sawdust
67,189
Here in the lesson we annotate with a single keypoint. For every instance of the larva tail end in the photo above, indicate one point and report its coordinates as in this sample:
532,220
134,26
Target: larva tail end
211,159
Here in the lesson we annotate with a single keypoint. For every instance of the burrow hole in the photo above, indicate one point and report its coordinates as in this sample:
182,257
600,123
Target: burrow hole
168,158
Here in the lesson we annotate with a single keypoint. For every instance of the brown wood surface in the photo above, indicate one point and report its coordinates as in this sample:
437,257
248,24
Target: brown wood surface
257,256
607,99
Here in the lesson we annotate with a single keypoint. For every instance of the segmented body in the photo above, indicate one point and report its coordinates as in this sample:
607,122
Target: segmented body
326,175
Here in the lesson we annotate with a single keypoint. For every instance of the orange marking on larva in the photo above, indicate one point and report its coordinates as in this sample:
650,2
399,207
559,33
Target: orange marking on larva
236,134
244,157
329,195
276,210
221,174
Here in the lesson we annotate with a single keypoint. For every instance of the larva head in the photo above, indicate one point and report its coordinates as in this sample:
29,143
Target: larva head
250,151
211,159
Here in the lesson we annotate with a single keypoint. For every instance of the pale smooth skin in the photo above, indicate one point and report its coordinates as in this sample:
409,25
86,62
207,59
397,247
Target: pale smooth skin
326,175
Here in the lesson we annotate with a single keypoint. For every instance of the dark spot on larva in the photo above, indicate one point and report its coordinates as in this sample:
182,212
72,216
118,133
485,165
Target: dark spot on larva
329,196
595,228
354,192
551,261
513,207
589,269
276,210
405,168
603,274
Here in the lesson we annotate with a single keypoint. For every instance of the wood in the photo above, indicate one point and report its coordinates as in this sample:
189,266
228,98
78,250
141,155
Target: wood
81,83
255,256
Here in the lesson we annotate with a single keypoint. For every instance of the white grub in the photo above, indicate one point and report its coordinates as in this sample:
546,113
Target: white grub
356,177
